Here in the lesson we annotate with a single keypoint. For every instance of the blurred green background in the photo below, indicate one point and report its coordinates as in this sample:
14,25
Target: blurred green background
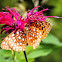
50,50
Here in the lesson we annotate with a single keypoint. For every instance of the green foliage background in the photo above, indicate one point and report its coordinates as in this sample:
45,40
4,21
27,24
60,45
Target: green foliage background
50,50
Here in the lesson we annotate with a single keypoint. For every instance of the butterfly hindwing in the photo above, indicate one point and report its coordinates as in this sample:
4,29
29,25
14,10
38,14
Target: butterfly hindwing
5,45
37,31
17,41
33,37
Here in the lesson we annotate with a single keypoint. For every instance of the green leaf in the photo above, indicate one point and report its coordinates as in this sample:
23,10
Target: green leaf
3,59
5,53
29,60
38,53
52,40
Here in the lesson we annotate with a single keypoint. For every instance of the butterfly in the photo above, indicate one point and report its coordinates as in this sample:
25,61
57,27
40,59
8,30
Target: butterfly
31,36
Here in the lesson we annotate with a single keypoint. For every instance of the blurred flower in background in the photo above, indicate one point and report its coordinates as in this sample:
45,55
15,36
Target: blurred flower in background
51,48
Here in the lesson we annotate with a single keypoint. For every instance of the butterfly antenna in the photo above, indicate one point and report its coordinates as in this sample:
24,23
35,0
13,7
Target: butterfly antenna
25,56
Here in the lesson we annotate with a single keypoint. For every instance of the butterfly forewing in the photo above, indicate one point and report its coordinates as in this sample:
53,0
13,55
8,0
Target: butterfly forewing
17,41
43,27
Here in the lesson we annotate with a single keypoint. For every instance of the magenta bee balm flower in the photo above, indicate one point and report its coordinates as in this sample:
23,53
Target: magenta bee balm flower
37,16
10,24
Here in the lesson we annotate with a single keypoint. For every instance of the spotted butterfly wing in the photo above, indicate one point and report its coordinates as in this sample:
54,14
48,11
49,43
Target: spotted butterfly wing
38,31
33,36
5,44
16,42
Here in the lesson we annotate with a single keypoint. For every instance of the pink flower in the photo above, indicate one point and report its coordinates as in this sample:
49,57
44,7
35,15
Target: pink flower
36,16
10,24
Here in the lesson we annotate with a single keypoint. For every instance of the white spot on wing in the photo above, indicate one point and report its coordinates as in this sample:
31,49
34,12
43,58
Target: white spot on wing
33,41
17,32
13,48
20,43
40,33
23,49
30,38
23,44
34,29
16,49
3,42
33,35
37,29
40,36
20,49
12,34
9,39
11,44
17,43
23,39
13,38
23,34
37,33
19,37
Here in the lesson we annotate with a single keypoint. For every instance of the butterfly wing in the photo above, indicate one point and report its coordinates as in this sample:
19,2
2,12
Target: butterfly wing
33,37
43,27
37,31
19,40
16,41
5,45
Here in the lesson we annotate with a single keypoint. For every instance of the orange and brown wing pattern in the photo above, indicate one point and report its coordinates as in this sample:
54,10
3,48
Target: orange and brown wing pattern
43,27
33,37
37,31
17,41
5,45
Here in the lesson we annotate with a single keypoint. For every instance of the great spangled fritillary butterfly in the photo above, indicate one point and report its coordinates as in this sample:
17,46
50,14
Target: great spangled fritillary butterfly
31,36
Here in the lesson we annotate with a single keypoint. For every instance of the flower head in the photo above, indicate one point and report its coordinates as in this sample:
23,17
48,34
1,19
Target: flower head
10,24
37,16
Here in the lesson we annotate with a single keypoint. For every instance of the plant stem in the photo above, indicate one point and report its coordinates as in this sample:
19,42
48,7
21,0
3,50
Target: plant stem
25,56
14,57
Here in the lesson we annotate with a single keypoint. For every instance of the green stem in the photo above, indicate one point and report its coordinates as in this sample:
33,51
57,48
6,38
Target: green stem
14,57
